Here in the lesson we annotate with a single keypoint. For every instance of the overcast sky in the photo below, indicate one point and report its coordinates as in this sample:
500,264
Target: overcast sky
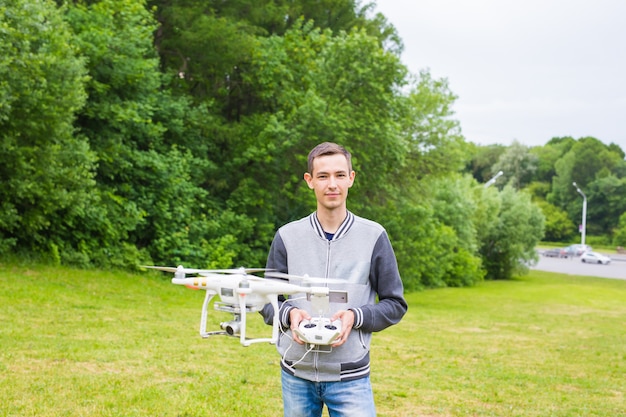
523,70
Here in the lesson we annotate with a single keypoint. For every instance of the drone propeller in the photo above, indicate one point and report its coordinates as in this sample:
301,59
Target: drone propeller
240,270
305,279
171,269
180,268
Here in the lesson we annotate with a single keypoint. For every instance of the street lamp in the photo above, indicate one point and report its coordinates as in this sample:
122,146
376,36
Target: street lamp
493,180
584,212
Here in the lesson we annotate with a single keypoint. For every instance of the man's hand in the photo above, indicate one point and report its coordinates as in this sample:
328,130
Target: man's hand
347,321
295,317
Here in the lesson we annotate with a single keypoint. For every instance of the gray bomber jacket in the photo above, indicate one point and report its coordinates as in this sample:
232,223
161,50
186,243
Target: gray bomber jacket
359,253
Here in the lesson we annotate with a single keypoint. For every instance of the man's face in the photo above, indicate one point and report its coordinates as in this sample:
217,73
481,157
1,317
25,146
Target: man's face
330,179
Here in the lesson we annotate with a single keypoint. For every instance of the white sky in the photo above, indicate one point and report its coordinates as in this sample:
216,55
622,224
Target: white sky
523,70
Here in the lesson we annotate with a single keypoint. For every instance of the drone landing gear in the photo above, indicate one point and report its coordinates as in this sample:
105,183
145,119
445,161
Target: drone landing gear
237,326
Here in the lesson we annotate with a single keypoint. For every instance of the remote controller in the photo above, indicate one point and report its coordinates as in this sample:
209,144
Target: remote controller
319,331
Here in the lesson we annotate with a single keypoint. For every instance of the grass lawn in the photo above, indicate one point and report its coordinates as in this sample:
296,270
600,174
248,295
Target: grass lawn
91,343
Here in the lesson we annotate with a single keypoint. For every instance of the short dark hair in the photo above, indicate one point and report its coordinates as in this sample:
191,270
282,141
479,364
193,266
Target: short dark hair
328,148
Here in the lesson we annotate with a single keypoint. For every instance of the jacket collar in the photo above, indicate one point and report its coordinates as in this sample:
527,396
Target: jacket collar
341,231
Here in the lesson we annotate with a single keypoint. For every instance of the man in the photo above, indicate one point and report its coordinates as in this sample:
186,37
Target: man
334,243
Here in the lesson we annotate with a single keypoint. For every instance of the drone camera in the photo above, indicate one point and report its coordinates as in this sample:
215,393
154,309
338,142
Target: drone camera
232,327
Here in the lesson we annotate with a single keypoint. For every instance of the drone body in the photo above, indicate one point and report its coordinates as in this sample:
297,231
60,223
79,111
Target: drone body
241,293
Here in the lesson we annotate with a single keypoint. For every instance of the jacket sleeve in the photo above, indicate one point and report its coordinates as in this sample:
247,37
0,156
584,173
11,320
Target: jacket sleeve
277,260
387,283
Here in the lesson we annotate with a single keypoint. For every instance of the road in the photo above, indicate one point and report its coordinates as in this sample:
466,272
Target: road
573,266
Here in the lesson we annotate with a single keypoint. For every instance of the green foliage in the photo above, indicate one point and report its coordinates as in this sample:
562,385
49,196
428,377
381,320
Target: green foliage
179,134
208,43
149,195
206,52
546,157
598,169
619,236
538,190
606,203
454,204
558,227
508,245
482,161
46,172
304,96
593,159
440,230
415,234
434,140
518,165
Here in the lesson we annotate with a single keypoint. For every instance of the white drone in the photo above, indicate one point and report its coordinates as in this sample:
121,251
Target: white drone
242,293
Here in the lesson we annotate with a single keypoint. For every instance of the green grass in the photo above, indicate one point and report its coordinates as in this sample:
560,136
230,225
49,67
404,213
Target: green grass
89,343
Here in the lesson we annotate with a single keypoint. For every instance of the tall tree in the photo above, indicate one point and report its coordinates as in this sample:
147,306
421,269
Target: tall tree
434,140
619,236
547,155
606,202
558,226
518,165
46,172
482,161
509,238
587,161
134,125
593,157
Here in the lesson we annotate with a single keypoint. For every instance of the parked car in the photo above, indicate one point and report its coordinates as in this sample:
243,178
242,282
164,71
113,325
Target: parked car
555,253
578,249
595,258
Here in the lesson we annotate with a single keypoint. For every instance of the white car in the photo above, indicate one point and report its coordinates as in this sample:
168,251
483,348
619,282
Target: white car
577,250
595,258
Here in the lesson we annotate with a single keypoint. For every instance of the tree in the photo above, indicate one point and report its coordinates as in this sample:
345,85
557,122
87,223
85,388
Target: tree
148,194
482,161
311,87
587,161
619,235
561,193
454,203
423,246
191,141
547,155
518,165
593,158
508,242
606,202
46,172
558,226
434,139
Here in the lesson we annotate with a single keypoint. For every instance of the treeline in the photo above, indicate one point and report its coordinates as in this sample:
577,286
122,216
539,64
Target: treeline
177,132
548,174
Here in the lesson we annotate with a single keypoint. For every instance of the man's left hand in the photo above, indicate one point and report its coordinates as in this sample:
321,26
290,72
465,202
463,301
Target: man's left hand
347,321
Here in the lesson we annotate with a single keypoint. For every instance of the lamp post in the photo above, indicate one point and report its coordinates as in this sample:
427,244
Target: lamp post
493,180
584,212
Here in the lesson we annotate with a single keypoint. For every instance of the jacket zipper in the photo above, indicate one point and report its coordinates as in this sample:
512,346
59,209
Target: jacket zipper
316,354
328,260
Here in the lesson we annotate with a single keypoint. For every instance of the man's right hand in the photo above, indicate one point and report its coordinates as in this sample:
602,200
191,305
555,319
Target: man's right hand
295,317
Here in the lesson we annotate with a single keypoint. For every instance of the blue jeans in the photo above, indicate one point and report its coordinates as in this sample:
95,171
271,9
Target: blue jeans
302,398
